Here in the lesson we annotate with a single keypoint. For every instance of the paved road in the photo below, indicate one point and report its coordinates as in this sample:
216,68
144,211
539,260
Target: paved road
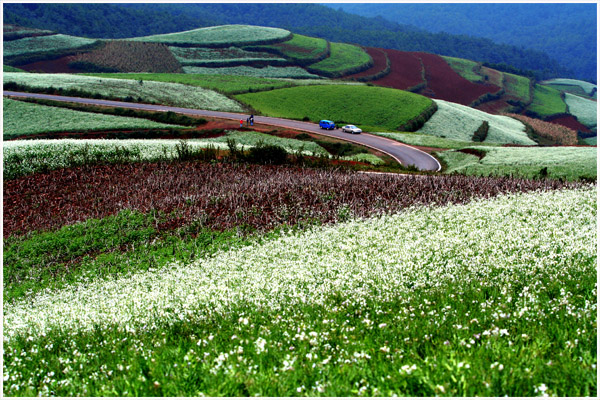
405,155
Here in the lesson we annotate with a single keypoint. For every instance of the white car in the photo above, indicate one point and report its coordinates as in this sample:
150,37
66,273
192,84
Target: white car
351,129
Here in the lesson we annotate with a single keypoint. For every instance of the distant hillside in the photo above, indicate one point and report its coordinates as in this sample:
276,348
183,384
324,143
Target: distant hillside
129,20
566,32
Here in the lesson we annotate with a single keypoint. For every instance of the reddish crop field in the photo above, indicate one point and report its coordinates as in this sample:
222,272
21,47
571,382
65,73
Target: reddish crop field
445,84
379,63
222,196
570,122
406,71
494,107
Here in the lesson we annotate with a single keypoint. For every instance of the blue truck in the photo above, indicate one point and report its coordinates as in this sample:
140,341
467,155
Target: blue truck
326,124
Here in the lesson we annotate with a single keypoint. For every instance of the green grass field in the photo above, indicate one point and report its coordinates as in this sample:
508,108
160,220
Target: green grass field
369,107
517,86
8,68
301,47
570,163
547,101
21,118
233,35
343,60
464,68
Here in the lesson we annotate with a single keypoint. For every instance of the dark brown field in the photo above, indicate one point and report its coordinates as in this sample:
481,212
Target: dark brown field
223,196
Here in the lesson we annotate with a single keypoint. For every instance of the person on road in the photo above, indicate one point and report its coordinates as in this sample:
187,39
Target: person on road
241,123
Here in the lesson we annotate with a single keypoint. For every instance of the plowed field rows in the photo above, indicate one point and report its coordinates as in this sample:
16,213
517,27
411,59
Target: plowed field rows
445,84
379,63
405,73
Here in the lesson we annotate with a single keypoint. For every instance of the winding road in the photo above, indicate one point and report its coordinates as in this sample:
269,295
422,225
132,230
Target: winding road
404,154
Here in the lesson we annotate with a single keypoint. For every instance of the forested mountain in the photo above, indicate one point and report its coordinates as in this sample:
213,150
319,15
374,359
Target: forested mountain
566,32
128,20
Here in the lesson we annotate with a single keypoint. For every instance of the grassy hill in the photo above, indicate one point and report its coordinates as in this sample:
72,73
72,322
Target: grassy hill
368,107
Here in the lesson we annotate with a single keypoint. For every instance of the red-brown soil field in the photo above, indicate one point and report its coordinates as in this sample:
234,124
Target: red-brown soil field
58,66
379,63
570,122
445,84
406,71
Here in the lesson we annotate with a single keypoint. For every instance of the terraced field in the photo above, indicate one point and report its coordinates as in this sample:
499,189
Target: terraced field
573,86
465,68
127,56
244,70
406,71
39,44
371,108
345,59
302,49
570,163
20,118
585,110
221,36
547,101
200,56
149,91
458,122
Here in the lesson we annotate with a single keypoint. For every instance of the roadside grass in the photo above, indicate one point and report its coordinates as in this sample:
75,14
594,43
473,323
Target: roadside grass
547,101
22,118
585,110
166,93
568,163
224,35
369,107
26,157
592,141
345,59
465,68
509,309
416,139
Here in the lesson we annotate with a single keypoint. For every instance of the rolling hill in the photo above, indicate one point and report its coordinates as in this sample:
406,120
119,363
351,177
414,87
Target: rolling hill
265,52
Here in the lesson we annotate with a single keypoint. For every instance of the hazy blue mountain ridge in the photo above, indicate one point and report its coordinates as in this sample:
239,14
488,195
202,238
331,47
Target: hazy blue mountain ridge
566,32
129,20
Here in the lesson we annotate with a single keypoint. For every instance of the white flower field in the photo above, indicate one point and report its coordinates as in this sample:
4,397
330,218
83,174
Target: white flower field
458,122
499,293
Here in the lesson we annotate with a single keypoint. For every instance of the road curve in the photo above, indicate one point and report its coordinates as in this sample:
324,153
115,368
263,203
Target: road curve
404,154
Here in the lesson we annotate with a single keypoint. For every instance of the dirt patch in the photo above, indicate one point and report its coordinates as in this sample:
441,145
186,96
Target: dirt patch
406,71
60,65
